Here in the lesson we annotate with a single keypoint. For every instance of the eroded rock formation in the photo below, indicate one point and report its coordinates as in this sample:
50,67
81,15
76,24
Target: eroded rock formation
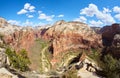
111,40
71,35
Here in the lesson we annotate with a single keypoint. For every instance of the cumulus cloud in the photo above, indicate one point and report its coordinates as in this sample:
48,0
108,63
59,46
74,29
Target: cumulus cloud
43,16
32,9
106,10
117,16
29,16
14,22
90,10
104,16
116,9
95,23
27,8
61,15
81,19
22,11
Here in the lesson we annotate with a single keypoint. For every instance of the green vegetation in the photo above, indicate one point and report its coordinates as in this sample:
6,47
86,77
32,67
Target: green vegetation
18,61
95,55
72,73
110,67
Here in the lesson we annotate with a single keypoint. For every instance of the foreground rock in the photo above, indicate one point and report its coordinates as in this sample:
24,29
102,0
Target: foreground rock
4,73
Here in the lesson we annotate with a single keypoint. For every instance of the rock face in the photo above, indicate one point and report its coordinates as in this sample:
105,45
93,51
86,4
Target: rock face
20,39
111,40
71,35
115,47
108,33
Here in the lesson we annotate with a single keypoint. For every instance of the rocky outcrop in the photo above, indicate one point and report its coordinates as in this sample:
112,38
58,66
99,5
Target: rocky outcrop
71,35
20,39
4,73
115,48
111,40
108,33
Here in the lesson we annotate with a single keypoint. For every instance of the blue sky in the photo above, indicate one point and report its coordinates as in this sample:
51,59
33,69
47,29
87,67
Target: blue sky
40,12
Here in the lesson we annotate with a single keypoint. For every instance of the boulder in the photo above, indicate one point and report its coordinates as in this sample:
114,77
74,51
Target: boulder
4,73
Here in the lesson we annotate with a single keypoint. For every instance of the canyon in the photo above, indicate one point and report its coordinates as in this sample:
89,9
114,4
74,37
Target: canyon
66,42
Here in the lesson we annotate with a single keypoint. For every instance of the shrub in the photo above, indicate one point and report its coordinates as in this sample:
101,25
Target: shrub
111,67
18,61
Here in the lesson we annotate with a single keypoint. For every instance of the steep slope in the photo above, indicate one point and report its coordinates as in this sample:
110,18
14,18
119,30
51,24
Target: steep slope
71,35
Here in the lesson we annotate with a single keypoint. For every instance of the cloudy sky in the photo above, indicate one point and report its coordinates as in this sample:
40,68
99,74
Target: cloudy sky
41,12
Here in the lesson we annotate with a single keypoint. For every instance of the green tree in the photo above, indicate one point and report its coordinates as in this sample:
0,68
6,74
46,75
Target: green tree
18,61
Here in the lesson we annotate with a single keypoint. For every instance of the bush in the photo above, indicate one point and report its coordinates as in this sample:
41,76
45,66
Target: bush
18,61
111,67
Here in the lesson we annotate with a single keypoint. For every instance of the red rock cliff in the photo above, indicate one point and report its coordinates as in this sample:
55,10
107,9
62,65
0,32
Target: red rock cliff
71,35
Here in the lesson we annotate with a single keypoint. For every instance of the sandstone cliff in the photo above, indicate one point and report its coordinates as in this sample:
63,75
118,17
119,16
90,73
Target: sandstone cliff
71,35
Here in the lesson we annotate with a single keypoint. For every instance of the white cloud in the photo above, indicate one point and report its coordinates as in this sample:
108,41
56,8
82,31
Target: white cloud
29,16
39,12
27,8
27,23
61,15
95,23
116,9
14,22
117,16
90,10
32,9
22,11
104,16
81,19
106,10
43,16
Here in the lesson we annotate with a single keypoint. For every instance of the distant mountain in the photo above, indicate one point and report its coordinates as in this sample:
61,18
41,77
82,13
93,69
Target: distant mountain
96,29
